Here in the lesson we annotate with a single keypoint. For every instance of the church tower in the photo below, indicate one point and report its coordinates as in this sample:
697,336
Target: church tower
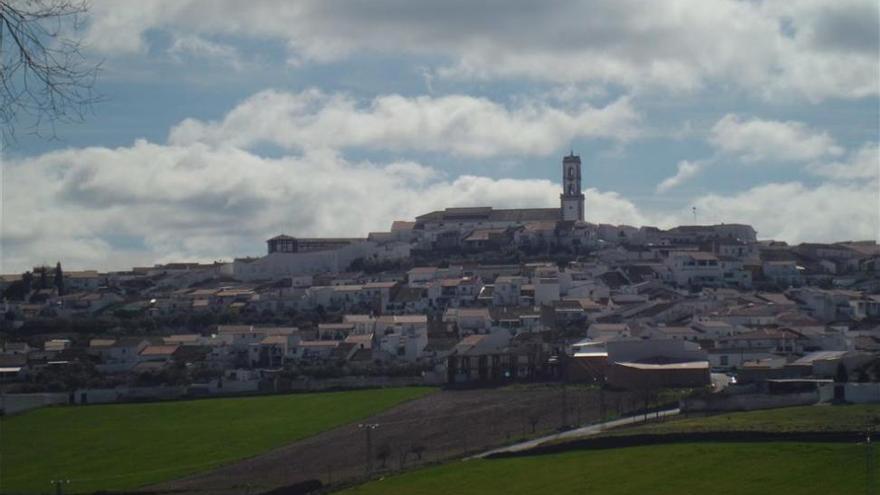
572,199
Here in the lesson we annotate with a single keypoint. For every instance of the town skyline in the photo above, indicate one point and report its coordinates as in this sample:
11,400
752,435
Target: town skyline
214,134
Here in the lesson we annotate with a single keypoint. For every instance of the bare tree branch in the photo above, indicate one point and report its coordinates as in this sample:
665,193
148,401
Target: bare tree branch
44,76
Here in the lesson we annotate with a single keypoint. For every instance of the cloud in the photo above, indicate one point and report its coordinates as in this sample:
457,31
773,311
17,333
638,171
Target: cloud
808,49
686,171
457,124
118,207
112,208
195,48
861,164
757,140
793,212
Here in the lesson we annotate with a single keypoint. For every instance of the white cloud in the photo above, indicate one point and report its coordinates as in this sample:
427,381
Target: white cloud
462,125
816,50
191,47
862,164
686,171
769,140
794,212
114,208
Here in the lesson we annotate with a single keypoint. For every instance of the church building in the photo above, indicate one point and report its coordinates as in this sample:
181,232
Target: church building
571,208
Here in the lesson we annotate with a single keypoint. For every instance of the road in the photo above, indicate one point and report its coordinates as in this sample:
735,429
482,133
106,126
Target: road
577,433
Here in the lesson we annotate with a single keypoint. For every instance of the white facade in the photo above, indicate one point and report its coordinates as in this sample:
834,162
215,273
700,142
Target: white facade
286,264
401,337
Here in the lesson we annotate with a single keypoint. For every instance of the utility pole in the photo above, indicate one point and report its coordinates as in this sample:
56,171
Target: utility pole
870,465
59,486
368,428
564,407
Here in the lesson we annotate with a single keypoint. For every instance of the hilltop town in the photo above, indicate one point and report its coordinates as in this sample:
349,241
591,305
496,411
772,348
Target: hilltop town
459,296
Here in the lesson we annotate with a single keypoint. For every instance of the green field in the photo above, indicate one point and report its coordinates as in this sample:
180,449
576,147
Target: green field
788,419
720,469
125,446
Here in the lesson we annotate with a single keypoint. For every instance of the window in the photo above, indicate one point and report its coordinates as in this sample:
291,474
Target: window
724,361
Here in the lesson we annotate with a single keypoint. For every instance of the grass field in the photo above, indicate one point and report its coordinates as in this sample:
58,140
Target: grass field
125,446
720,469
788,419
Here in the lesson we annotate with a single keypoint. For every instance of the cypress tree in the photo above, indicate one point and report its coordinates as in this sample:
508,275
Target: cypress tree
59,279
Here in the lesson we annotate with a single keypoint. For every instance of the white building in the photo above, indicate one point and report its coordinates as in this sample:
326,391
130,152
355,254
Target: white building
401,337
289,256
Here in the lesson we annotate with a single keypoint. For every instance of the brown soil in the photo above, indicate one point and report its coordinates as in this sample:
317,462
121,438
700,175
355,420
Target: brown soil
447,424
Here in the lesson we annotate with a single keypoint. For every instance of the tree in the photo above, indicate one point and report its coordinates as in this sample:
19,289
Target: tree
20,289
841,376
383,453
59,279
44,77
44,278
418,449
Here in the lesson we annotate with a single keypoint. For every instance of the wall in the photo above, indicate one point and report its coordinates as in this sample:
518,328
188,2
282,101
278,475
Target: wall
862,393
748,402
18,403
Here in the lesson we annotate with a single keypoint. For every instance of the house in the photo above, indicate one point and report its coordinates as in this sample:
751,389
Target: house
335,331
164,354
401,337
652,364
508,290
363,324
117,355
83,280
56,345
587,362
694,268
468,320
609,331
479,357
782,273
517,320
778,340
242,336
189,339
315,350
15,348
641,376
273,350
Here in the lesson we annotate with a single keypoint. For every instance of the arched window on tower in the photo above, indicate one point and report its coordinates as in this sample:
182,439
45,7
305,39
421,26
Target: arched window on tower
571,189
571,172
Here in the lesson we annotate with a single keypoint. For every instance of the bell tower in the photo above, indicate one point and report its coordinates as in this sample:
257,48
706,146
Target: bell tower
572,199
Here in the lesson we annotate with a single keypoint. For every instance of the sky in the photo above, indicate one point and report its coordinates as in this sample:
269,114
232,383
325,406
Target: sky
223,123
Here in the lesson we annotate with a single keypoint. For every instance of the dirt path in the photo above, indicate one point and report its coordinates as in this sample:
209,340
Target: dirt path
447,424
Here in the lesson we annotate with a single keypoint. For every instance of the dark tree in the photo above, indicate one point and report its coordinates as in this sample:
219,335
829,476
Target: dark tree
59,279
841,376
19,290
28,279
418,450
44,77
383,453
44,278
